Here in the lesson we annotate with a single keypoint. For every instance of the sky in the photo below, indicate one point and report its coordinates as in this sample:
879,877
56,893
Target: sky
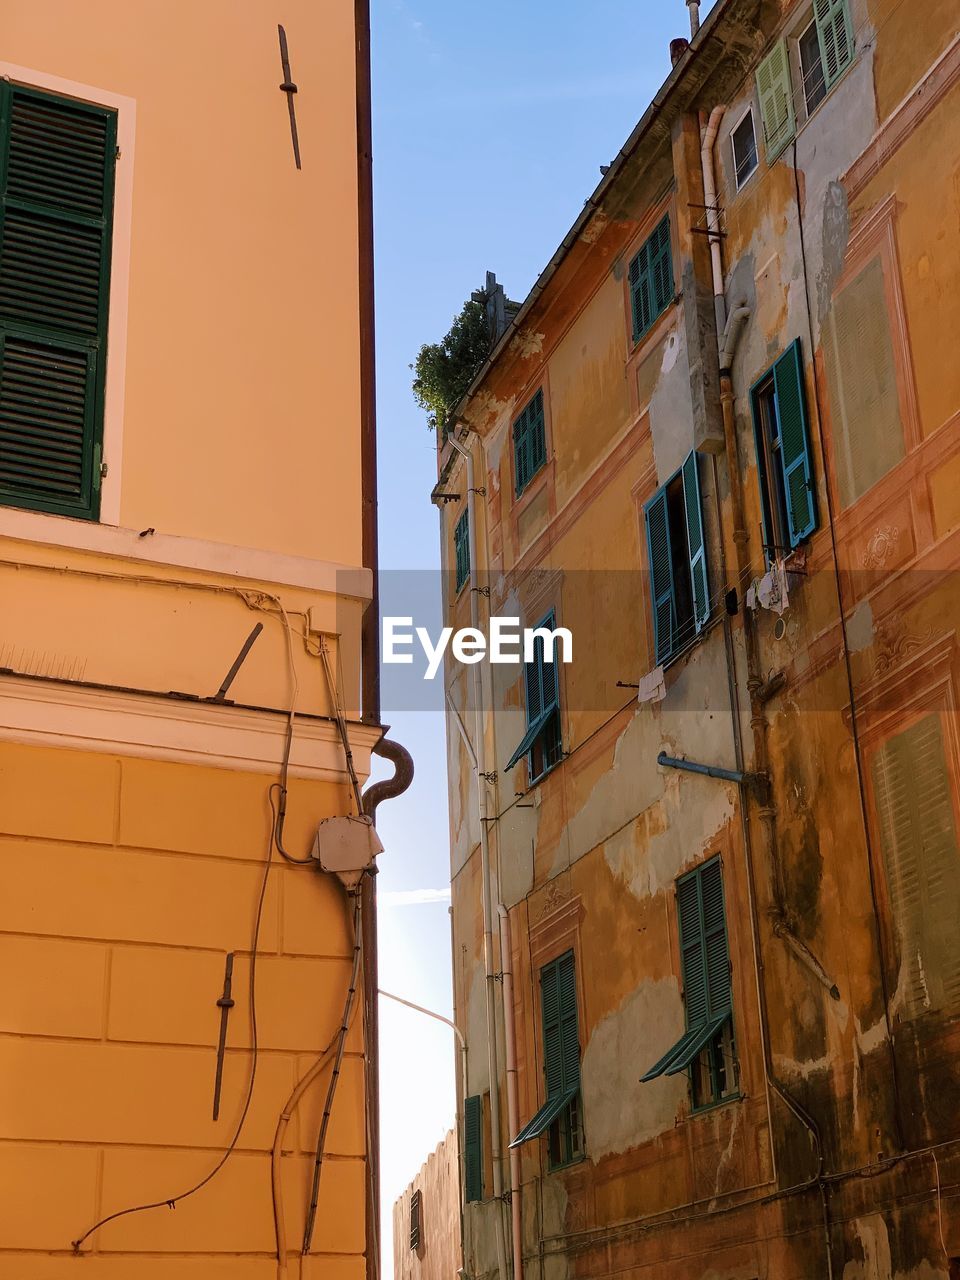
491,121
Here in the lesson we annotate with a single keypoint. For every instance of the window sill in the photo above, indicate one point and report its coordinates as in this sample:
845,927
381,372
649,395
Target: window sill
715,1106
638,345
532,782
567,1164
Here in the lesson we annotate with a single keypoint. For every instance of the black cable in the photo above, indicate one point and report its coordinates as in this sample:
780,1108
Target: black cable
172,1201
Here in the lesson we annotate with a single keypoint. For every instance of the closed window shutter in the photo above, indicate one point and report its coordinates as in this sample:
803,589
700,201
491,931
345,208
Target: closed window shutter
695,541
549,684
795,445
703,945
57,159
529,443
661,574
835,33
561,1043
918,839
534,683
461,546
473,1147
650,277
776,100
569,1029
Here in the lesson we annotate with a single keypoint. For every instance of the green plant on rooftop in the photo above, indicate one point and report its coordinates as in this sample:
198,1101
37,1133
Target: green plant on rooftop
444,370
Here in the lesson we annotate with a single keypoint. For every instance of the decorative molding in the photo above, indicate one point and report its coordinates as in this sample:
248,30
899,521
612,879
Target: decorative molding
56,714
904,120
197,554
881,547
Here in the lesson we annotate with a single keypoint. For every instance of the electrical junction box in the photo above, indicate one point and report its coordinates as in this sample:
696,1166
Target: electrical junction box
346,846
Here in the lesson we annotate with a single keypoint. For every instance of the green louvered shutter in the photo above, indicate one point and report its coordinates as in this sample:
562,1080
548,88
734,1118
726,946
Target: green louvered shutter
795,444
561,1044
695,541
536,434
529,443
473,1148
547,671
835,33
552,1046
703,944
661,574
776,100
650,277
57,159
569,1029
534,684
461,547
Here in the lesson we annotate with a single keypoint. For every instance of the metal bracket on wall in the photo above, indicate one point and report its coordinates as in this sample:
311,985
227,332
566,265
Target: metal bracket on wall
289,88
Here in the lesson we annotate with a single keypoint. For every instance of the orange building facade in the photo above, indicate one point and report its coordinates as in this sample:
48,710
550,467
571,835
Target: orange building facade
187,559
706,876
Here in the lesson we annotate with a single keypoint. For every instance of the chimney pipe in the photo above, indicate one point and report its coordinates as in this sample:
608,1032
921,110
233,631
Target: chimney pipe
694,7
678,48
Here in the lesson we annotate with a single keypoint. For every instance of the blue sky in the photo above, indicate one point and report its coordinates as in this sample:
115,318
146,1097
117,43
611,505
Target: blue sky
491,121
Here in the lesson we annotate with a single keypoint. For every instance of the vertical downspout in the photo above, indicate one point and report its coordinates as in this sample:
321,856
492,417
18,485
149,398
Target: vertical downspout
513,1103
370,625
487,892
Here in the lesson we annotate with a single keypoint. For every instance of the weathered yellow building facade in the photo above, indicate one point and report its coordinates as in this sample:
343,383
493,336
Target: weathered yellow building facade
706,877
186,422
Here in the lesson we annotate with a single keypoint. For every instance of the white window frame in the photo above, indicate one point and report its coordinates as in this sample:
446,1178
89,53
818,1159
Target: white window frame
748,111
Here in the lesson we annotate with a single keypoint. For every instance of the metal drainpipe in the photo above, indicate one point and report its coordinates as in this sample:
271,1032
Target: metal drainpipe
513,1104
486,889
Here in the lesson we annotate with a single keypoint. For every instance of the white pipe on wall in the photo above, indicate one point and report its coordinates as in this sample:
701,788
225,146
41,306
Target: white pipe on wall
707,166
513,1102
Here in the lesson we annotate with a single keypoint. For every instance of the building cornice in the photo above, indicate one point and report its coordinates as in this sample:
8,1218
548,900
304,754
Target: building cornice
53,713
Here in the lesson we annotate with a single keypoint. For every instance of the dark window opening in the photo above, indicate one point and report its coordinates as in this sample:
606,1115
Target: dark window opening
714,1074
773,496
565,1139
744,140
811,69
680,560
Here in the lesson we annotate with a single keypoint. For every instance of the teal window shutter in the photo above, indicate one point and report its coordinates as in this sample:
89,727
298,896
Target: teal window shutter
473,1147
776,100
542,689
529,443
795,445
650,277
835,33
57,160
561,1044
661,574
695,542
705,965
461,547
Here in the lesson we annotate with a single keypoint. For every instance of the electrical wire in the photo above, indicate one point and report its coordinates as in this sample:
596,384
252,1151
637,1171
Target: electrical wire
335,1076
171,1202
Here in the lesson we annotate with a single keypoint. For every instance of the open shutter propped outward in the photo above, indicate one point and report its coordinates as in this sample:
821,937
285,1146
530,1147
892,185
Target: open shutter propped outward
776,100
57,159
695,542
561,1044
661,574
473,1148
835,33
795,445
705,963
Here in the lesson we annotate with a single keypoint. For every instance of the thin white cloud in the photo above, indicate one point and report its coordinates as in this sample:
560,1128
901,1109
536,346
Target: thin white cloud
412,897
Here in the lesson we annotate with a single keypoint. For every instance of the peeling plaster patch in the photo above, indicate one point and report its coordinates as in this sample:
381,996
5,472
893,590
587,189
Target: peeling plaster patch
874,1240
727,1154
669,408
485,403
623,1045
528,344
595,228
860,631
802,1069
836,233
691,827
